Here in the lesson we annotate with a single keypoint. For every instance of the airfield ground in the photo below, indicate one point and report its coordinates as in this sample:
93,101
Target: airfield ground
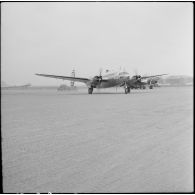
106,142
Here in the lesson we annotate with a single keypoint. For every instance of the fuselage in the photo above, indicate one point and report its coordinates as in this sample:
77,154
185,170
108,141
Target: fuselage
113,79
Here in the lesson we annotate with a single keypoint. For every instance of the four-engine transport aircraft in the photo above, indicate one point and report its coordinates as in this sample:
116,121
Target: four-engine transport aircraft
151,82
110,79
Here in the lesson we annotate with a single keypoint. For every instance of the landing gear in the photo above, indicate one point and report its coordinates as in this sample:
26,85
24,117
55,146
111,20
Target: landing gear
151,86
90,90
144,87
127,90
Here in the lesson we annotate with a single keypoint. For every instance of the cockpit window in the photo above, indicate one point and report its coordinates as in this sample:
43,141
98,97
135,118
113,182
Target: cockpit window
123,73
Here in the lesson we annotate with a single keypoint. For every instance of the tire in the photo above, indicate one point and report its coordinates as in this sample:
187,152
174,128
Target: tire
127,90
90,90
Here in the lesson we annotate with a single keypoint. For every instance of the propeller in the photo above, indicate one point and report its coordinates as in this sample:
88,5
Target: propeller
137,76
135,71
100,71
100,76
97,79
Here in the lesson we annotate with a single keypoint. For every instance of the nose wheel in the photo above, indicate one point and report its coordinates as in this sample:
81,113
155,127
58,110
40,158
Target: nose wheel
90,90
127,90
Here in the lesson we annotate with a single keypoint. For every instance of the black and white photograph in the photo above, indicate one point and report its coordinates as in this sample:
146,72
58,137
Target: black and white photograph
97,97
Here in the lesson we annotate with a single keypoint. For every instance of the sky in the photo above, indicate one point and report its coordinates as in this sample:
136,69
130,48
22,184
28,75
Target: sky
55,37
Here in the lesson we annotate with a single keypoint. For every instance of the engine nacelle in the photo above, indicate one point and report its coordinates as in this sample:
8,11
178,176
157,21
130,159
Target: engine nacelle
96,81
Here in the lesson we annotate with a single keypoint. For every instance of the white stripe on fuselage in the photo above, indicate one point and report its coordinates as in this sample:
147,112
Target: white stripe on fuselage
115,75
114,79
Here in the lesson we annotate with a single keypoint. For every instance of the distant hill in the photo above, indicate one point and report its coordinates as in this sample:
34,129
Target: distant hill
3,84
178,80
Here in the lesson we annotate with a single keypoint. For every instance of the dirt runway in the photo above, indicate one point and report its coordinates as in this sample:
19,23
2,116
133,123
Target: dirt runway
106,142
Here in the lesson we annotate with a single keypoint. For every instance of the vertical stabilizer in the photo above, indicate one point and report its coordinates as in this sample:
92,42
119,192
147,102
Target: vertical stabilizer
72,75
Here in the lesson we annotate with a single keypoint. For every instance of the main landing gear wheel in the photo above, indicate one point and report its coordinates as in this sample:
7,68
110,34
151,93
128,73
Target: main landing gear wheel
151,87
127,90
90,90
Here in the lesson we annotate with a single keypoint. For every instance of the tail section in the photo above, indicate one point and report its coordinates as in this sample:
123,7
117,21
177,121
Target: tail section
72,75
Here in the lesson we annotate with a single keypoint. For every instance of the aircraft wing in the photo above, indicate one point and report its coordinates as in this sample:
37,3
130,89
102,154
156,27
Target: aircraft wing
146,77
77,79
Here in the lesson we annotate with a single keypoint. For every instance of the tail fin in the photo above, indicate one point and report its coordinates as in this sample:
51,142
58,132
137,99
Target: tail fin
73,75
